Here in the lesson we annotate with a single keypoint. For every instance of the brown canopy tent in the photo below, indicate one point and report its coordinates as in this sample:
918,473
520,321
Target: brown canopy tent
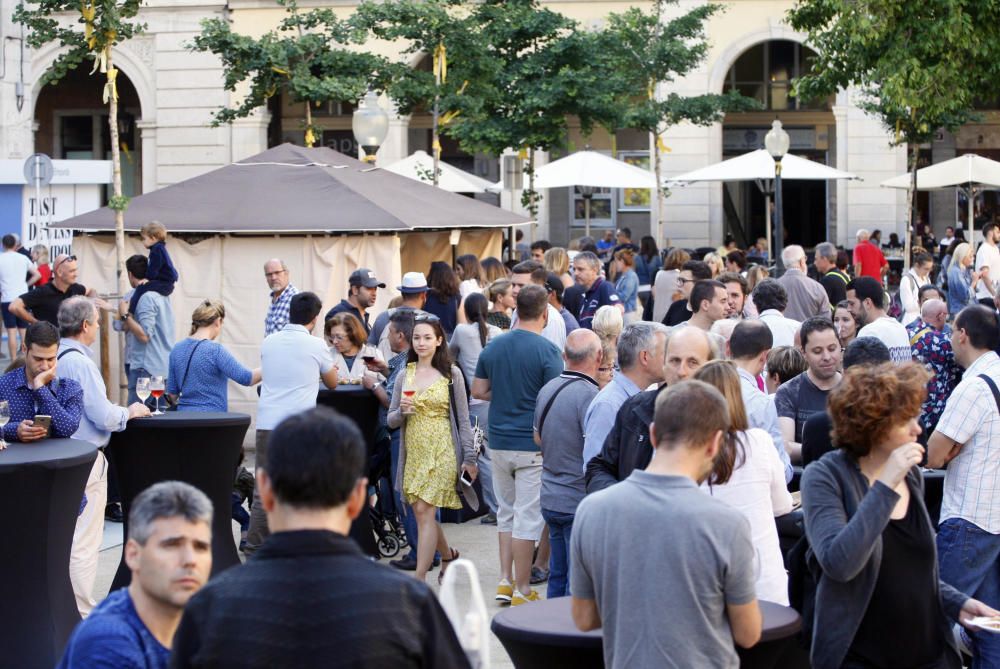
323,213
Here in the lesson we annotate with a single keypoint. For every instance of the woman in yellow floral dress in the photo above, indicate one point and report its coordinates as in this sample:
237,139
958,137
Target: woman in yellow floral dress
430,406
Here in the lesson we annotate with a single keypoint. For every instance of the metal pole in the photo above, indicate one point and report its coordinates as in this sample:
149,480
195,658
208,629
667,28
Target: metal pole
767,219
38,195
971,197
779,232
586,215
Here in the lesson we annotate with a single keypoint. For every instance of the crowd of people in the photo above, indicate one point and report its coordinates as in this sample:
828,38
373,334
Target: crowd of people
632,419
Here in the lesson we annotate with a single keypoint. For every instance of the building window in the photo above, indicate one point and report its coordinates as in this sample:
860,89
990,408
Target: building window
765,72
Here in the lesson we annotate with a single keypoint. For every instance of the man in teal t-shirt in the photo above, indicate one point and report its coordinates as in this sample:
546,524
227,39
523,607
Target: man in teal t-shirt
510,372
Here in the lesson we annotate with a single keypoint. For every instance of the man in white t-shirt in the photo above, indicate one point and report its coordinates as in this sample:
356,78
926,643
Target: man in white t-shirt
866,301
988,263
294,361
17,272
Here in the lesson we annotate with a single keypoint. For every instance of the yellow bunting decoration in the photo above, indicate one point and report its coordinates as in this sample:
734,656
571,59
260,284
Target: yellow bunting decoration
661,145
522,154
441,63
437,149
279,70
100,61
310,137
111,88
652,90
124,147
88,12
449,117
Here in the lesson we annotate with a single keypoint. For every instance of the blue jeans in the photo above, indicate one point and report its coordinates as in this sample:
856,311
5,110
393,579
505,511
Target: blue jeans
969,559
560,530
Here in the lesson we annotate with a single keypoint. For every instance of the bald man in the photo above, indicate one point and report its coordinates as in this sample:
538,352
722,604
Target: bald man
627,446
931,345
559,428
282,291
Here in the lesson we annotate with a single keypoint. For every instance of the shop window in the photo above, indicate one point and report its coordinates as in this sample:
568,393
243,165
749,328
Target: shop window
766,71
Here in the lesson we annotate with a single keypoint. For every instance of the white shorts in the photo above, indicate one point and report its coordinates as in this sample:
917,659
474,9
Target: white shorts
517,483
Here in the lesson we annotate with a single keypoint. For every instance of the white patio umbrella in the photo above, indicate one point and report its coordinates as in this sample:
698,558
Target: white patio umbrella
759,166
420,166
969,173
588,170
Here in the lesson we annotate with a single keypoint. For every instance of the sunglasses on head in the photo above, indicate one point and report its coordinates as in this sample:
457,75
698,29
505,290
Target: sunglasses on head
62,260
426,318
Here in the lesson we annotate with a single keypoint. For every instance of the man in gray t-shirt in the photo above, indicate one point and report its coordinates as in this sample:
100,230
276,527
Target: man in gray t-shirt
691,594
559,432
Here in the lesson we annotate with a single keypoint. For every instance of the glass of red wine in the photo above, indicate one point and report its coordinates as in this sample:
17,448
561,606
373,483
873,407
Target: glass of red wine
156,388
409,393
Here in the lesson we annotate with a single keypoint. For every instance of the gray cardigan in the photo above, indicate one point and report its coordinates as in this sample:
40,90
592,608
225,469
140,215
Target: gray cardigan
461,428
844,520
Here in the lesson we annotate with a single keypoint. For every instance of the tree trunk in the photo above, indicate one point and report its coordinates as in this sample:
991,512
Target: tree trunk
911,203
660,200
532,202
116,188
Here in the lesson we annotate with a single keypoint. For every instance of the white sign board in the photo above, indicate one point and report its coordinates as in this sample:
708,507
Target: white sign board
57,204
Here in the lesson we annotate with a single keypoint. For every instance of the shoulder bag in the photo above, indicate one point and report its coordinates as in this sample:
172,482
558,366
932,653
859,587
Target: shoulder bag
187,368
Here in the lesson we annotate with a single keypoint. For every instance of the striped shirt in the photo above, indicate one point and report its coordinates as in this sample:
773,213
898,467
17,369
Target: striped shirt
970,418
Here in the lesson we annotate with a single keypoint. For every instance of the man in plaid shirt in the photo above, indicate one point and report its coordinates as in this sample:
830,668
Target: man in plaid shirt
281,295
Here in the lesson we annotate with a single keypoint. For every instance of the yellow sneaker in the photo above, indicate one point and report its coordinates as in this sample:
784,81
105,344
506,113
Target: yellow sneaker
518,599
504,591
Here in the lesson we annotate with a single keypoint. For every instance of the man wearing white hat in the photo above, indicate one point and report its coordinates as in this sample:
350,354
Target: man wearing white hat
414,292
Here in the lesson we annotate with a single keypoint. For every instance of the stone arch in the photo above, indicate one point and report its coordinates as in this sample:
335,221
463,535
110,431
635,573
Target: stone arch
729,56
138,73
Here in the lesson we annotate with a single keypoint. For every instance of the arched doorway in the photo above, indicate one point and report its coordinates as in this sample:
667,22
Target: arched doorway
765,72
73,124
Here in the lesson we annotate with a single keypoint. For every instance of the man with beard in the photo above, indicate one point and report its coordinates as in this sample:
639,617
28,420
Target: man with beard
806,394
736,293
362,289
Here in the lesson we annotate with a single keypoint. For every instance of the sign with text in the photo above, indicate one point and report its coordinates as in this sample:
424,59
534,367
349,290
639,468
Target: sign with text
57,203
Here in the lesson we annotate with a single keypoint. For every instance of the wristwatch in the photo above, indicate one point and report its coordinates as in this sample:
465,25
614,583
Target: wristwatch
126,316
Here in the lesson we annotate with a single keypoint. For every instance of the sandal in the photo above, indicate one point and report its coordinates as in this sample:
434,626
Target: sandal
444,563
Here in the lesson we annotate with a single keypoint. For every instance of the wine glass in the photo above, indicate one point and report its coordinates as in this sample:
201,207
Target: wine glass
409,391
156,388
142,388
4,419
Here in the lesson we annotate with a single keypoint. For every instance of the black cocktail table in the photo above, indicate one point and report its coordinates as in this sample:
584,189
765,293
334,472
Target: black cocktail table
202,449
542,634
41,487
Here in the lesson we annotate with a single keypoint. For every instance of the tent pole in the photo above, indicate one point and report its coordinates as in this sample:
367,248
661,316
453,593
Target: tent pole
586,215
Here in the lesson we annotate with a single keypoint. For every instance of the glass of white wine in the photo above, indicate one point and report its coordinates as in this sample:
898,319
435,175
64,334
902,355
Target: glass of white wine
156,387
4,419
142,388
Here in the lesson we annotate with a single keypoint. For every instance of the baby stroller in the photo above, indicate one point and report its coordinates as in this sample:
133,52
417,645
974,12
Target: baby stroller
384,516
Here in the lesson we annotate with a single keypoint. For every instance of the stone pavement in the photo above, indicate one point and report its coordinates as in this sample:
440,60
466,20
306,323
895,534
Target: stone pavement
474,541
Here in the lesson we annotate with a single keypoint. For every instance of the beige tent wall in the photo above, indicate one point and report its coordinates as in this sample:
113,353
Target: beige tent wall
419,249
232,269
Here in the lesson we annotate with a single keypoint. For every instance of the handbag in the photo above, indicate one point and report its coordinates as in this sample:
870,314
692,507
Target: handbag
180,386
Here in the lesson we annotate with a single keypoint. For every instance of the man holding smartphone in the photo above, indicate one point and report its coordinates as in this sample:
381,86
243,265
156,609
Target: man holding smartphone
34,390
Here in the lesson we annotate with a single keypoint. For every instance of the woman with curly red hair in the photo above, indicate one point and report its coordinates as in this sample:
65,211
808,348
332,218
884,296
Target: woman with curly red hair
879,600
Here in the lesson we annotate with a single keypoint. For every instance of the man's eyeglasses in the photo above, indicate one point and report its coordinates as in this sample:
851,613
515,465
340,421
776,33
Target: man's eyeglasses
681,281
268,275
62,260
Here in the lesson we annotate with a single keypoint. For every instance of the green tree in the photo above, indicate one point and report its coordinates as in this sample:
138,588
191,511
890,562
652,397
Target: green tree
444,30
307,56
545,70
656,47
98,27
918,66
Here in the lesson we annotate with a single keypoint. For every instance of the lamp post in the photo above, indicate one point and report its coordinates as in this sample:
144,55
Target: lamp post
777,142
587,193
370,125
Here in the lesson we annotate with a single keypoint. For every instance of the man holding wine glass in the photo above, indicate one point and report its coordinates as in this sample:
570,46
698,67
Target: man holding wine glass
78,325
34,391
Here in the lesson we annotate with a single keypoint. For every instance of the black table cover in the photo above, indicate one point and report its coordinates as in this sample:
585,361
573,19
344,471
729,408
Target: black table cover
202,449
360,405
41,486
542,635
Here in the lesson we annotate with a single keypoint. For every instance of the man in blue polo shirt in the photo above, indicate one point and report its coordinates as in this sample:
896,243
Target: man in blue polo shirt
510,372
599,292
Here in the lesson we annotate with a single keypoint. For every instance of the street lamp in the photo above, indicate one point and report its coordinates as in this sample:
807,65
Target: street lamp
587,193
777,141
370,125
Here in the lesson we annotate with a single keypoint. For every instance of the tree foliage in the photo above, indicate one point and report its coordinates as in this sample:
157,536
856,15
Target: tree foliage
652,47
919,66
308,56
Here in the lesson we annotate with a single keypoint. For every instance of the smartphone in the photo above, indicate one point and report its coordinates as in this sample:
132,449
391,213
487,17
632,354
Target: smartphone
466,480
43,421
